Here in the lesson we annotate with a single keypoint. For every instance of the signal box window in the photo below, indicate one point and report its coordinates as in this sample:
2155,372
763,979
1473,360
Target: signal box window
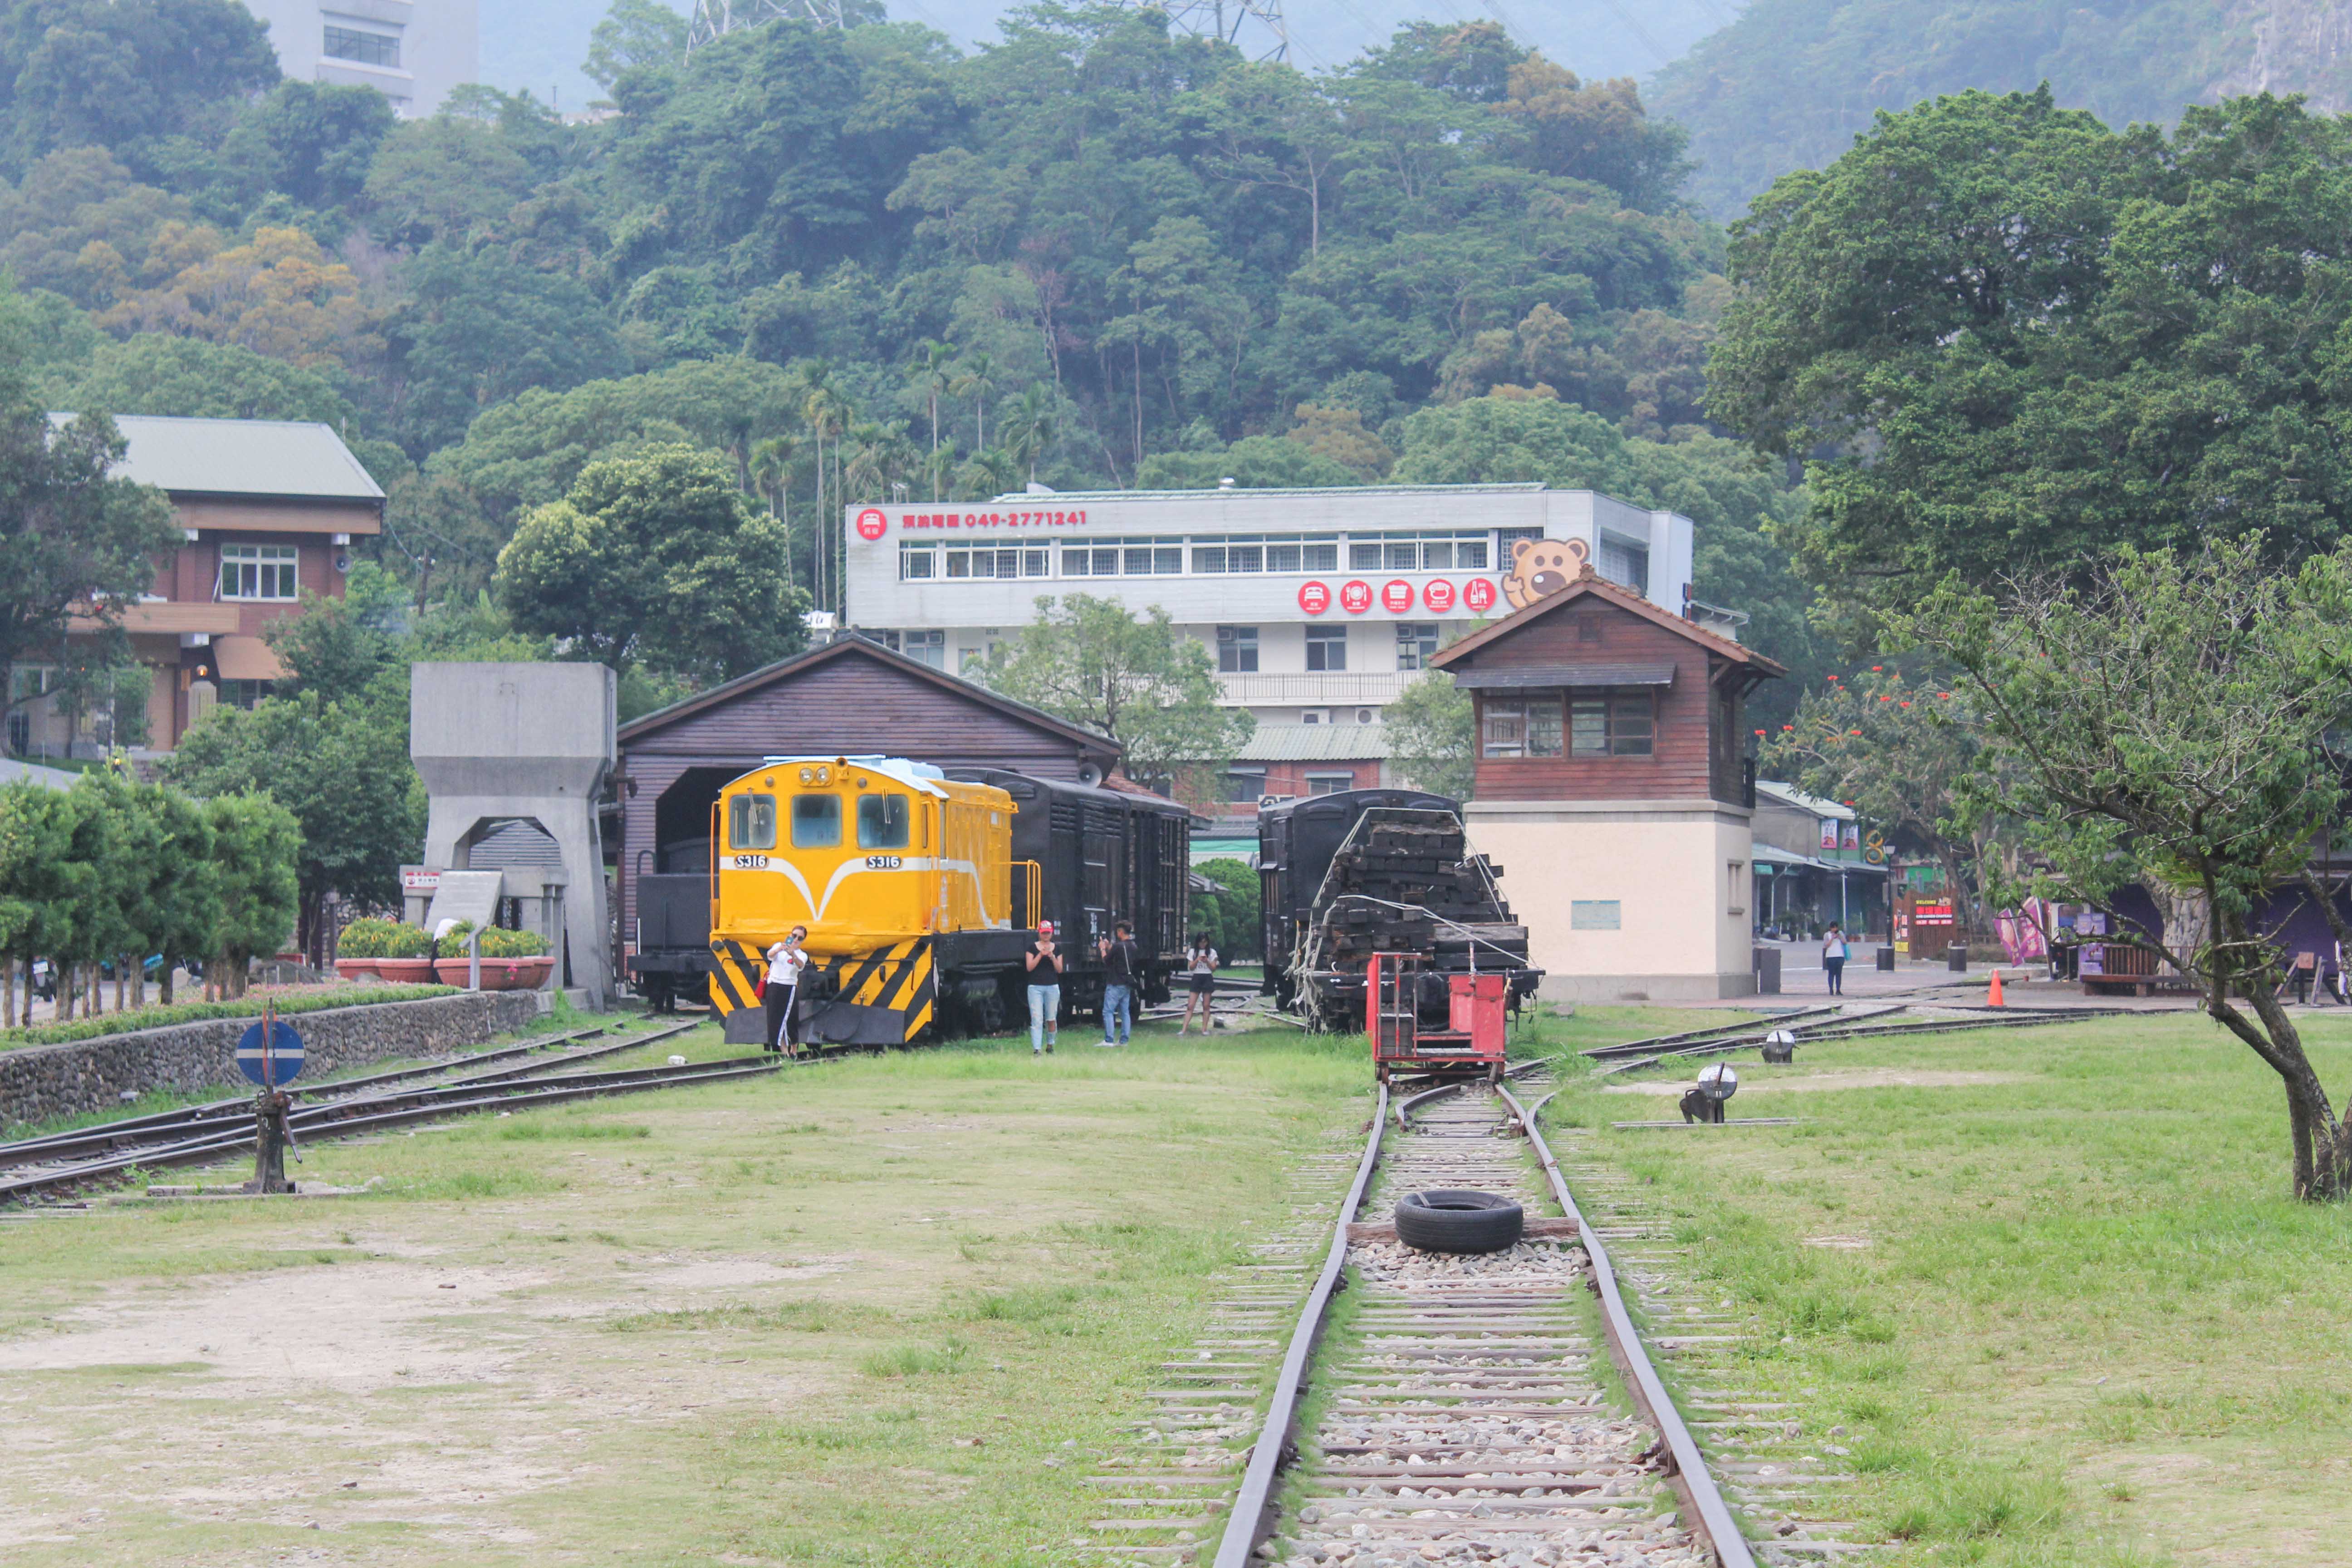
1326,647
882,820
1237,650
258,572
751,822
816,821
1619,726
1521,727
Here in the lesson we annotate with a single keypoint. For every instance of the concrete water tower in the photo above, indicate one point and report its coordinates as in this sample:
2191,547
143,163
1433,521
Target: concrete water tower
497,743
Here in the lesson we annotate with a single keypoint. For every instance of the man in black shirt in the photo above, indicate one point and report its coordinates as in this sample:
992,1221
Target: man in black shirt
1117,953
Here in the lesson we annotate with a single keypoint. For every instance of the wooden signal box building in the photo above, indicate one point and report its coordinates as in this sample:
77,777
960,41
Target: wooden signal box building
1612,784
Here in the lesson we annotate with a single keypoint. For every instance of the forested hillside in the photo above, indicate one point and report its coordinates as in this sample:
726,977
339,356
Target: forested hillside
1792,82
859,263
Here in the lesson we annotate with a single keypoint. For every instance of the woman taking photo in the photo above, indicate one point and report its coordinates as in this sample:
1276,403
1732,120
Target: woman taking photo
1200,970
1044,962
781,992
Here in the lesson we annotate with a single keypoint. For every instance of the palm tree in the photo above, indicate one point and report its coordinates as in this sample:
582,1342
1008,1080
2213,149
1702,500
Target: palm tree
987,472
934,372
1029,429
772,471
826,411
878,455
977,379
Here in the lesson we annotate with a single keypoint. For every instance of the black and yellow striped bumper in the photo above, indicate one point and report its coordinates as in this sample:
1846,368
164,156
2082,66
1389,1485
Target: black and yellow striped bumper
886,997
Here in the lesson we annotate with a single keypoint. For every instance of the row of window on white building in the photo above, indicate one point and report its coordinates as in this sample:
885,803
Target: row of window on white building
1327,646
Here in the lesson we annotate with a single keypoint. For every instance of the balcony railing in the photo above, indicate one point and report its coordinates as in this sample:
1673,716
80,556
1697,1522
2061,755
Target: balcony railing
1316,689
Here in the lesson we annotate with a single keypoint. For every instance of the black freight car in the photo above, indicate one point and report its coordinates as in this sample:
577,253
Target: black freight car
671,960
1101,856
1404,881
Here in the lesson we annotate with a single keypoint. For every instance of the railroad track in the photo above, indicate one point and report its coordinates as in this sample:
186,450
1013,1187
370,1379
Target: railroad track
1747,1035
1458,1412
201,1134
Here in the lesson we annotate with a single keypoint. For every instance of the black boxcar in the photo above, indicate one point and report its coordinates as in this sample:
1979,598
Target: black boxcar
1101,856
1296,841
672,939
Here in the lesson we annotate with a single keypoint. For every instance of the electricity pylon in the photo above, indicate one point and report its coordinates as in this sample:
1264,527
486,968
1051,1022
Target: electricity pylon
714,18
1254,27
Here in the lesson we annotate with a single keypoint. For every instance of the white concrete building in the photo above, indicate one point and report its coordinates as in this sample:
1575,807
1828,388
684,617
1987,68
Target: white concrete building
1318,606
412,51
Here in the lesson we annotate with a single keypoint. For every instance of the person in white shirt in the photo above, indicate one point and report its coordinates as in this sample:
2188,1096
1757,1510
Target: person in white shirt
1200,970
1833,956
781,992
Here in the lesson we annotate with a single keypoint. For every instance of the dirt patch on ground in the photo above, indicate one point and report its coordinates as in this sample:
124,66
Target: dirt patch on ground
1752,1081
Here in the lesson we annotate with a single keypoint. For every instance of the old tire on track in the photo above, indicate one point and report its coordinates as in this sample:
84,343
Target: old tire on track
1458,1219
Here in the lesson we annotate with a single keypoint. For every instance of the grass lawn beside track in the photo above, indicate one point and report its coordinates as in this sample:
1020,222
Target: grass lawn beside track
874,1312
2051,1287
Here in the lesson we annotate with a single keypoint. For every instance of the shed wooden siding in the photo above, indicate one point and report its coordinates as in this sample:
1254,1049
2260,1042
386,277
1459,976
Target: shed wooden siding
846,705
1693,757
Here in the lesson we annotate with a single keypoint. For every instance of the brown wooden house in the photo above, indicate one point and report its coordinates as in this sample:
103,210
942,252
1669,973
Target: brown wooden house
1612,780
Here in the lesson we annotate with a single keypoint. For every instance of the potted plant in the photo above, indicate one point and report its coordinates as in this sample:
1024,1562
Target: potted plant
368,945
510,960
407,956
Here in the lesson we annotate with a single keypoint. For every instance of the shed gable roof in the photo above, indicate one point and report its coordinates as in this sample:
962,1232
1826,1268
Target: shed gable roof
1592,585
851,645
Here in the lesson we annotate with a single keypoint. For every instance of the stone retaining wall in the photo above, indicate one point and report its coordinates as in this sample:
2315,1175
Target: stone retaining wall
38,1082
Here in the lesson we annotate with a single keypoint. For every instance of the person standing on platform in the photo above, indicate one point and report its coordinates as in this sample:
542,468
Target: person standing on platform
1834,954
1117,953
1044,963
783,991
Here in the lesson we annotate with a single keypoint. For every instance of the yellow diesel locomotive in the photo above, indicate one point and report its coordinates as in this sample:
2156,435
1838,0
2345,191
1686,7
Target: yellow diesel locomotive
920,891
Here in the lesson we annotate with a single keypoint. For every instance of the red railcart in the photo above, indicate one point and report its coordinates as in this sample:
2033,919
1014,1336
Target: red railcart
1399,997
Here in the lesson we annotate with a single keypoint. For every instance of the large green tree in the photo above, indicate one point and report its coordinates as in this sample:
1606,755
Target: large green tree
2007,338
339,768
656,560
1133,677
115,73
2170,723
77,542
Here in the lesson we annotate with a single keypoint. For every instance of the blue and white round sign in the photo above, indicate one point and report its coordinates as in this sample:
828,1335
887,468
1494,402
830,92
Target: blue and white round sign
274,1063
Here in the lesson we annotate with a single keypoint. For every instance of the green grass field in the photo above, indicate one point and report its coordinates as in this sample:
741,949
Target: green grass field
2049,1282
853,1314
879,1310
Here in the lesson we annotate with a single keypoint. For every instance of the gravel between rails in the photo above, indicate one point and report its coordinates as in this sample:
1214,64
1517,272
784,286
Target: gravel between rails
1466,1423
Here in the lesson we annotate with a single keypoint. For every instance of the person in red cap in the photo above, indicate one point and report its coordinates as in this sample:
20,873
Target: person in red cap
1045,962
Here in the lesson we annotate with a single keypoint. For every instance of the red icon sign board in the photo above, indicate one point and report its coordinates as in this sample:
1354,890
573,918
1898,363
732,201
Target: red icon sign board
1314,597
1396,596
872,523
1356,597
1438,594
1478,595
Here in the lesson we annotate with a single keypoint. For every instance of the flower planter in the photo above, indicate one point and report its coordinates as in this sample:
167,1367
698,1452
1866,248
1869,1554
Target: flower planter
498,973
407,971
358,968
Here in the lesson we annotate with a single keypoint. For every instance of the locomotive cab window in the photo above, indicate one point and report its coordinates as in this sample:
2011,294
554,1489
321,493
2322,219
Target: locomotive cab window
882,821
816,821
751,822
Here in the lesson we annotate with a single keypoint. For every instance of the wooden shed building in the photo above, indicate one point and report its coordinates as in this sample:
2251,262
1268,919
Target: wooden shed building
1612,784
845,698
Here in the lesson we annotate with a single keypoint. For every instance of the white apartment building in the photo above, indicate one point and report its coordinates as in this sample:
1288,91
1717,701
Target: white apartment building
1318,606
412,51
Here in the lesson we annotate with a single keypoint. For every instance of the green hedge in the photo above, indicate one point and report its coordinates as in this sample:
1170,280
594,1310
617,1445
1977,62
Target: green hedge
200,1012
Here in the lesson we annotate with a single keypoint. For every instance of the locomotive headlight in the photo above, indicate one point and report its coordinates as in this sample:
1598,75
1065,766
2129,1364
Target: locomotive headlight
808,775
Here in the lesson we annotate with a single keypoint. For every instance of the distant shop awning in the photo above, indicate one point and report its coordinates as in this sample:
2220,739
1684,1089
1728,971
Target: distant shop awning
1770,861
1548,676
247,659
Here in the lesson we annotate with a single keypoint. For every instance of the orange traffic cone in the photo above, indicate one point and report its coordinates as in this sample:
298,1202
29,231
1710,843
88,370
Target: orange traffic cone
1994,1000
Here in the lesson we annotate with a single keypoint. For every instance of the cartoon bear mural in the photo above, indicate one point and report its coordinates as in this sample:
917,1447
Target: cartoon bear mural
1543,566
